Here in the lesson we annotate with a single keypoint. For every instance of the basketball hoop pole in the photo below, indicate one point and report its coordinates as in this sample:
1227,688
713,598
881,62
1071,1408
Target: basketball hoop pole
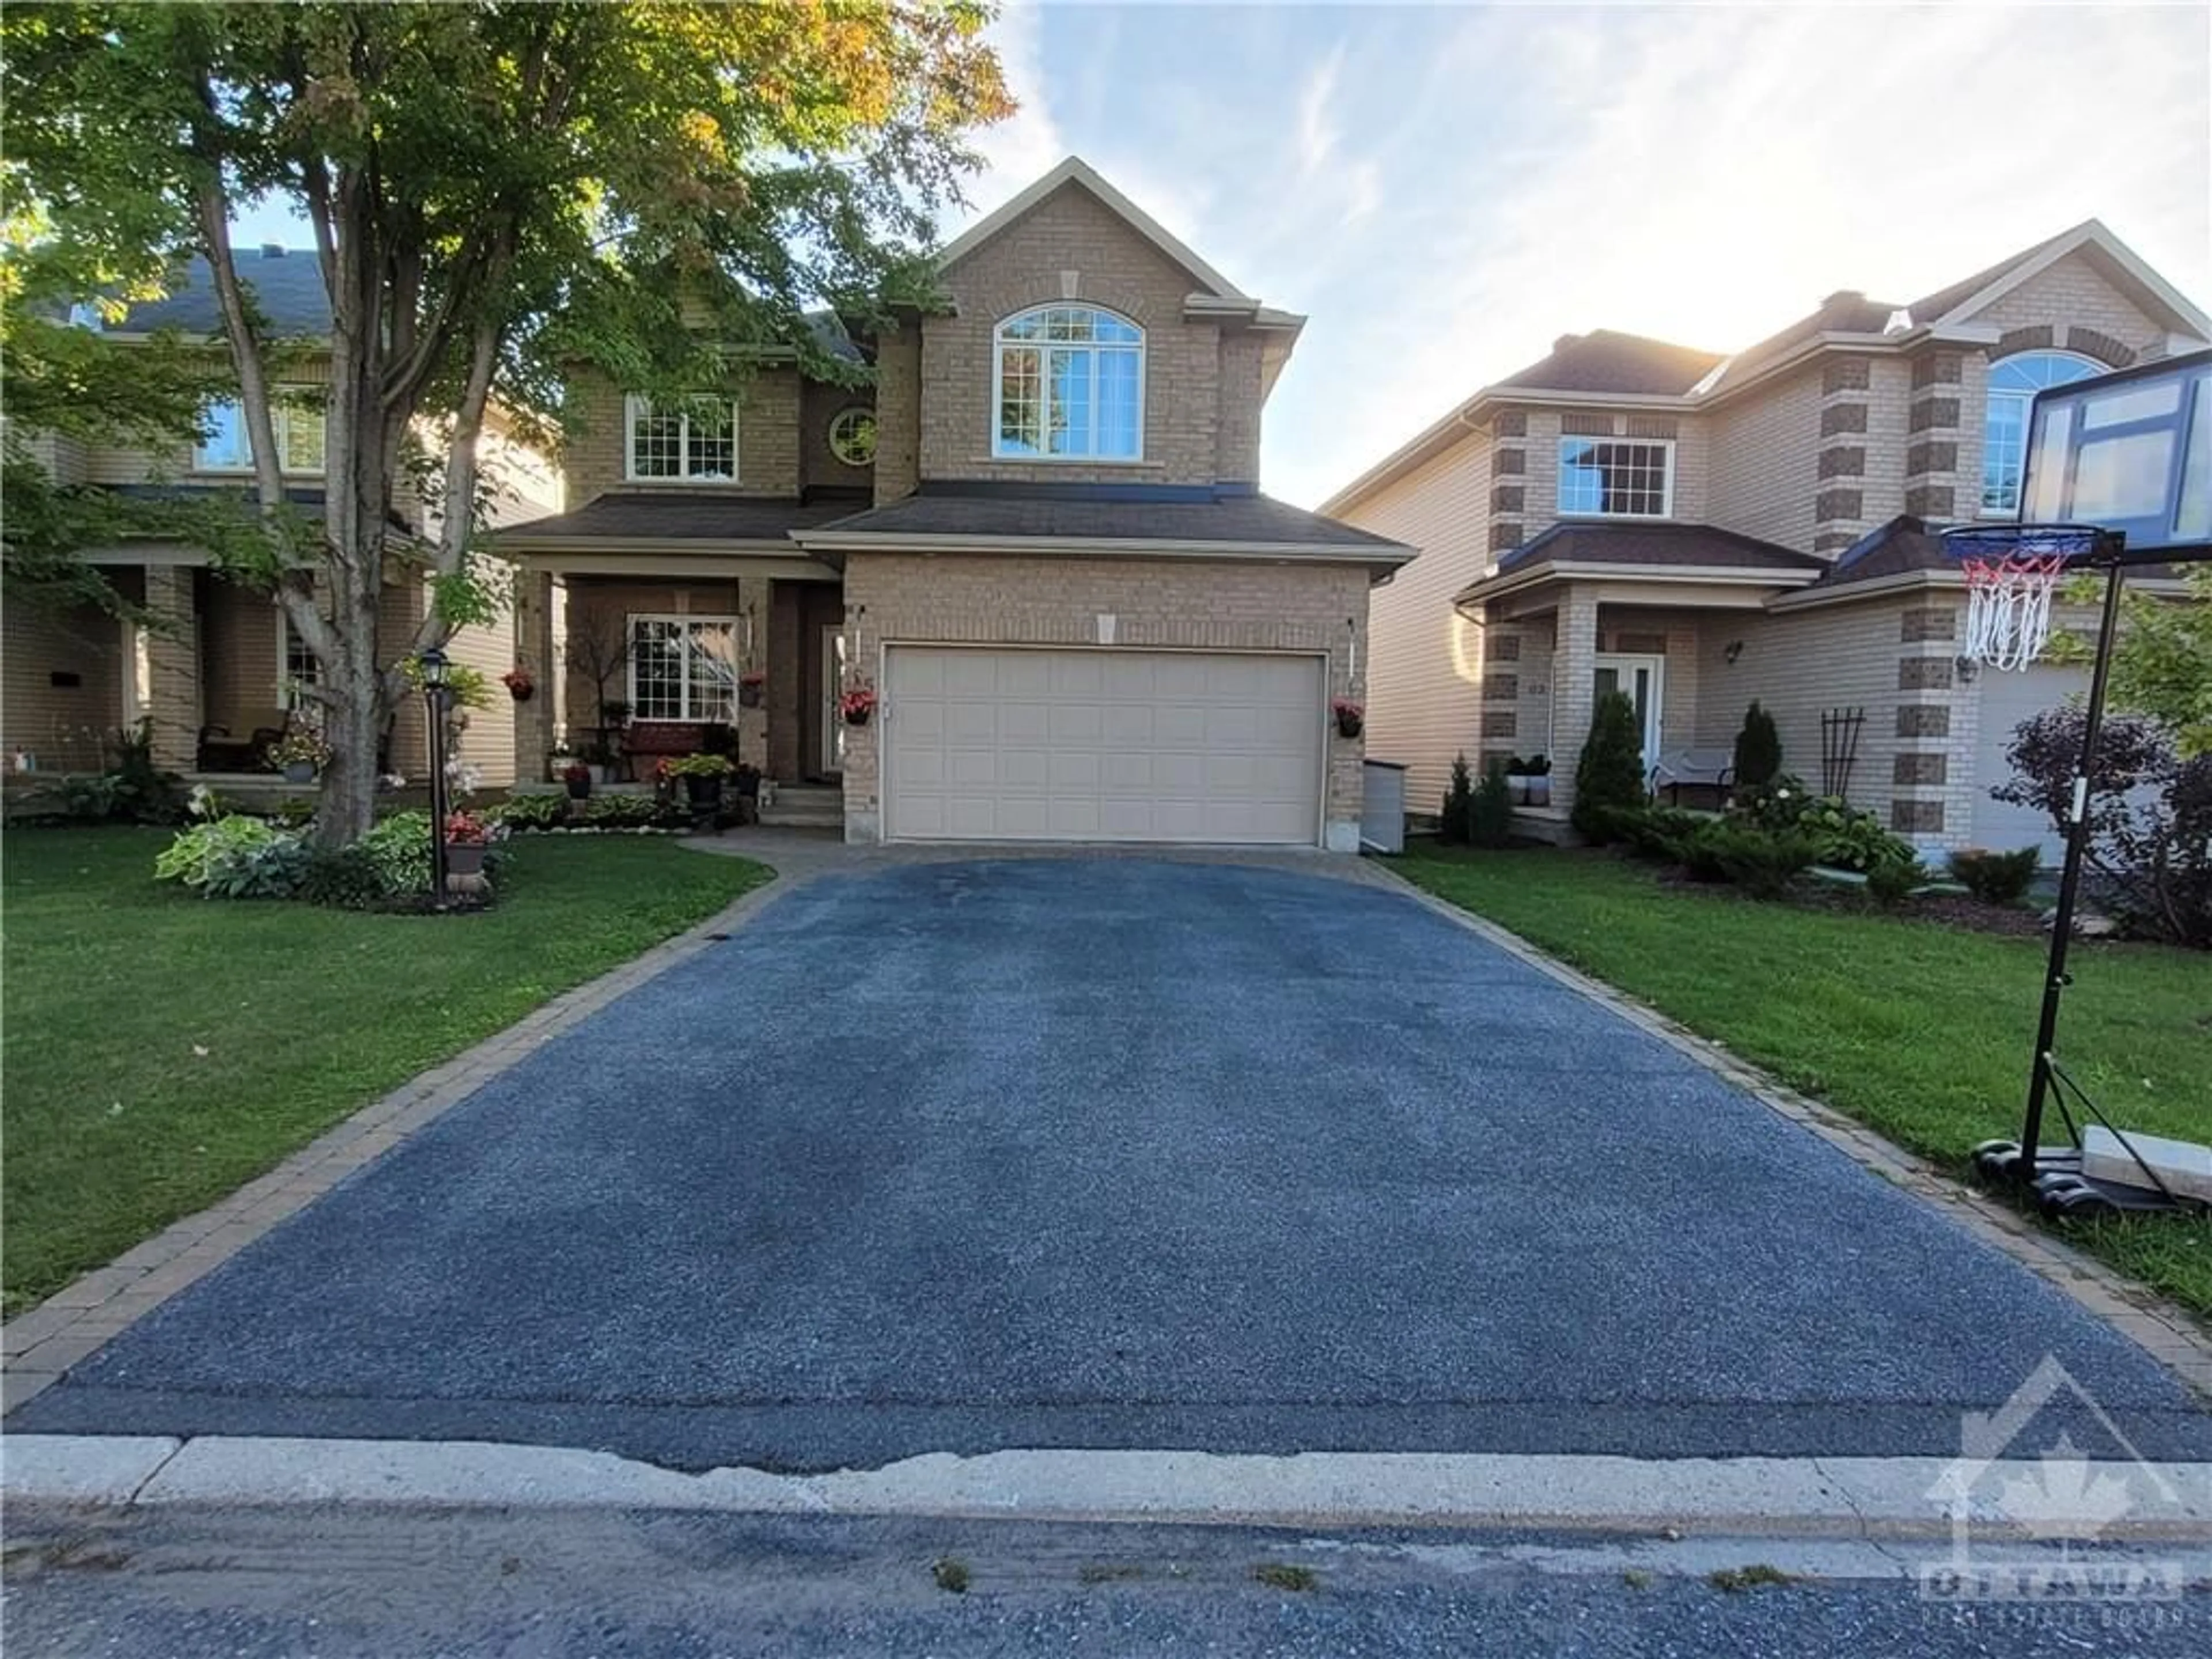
2110,545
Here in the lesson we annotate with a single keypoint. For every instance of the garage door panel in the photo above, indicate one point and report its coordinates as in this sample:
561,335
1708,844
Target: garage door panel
996,744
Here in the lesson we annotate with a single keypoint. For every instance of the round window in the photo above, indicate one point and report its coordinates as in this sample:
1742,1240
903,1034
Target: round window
852,436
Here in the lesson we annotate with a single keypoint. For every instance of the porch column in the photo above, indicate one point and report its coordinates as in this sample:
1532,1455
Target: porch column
533,652
1574,673
173,658
756,601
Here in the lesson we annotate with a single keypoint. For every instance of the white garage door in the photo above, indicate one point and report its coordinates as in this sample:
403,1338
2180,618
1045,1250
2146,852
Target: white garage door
1011,744
2007,700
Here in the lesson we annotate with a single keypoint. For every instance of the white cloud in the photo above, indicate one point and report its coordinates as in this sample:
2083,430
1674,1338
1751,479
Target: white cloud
1707,176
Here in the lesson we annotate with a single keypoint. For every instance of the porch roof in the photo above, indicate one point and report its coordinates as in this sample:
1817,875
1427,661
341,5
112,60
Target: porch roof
680,516
1649,551
1158,520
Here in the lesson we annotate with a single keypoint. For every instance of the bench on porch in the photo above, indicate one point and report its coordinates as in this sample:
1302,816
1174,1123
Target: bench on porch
1707,768
658,739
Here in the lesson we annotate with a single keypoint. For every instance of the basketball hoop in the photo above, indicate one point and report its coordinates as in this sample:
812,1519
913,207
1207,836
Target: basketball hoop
2012,572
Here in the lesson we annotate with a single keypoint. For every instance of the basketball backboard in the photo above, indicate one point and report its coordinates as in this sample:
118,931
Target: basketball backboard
2131,451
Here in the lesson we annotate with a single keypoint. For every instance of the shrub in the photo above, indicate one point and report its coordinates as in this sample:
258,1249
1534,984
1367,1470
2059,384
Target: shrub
2147,818
1455,823
1892,883
129,789
1842,836
398,849
629,812
1757,750
1762,862
528,812
235,858
1490,822
1658,833
345,878
1996,878
1610,773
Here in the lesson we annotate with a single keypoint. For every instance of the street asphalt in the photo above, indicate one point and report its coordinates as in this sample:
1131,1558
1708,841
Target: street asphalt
372,1583
1112,1153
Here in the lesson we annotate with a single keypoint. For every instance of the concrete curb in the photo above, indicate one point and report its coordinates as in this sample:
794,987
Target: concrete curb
1855,1498
2162,1329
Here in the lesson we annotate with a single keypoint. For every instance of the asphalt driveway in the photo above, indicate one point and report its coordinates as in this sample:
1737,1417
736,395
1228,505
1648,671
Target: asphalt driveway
1110,1153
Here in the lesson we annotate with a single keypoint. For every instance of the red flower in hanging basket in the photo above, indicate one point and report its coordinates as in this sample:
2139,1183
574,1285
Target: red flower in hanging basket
857,704
1351,717
518,680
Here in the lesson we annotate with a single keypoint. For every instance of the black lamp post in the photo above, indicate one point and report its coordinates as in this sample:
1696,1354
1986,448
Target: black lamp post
433,694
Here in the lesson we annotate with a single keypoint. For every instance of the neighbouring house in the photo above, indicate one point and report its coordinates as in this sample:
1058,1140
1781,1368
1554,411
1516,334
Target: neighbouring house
217,682
1701,530
1031,560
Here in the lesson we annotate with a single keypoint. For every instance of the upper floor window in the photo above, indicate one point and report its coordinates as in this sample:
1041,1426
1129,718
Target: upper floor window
1071,383
296,662
225,448
1615,477
852,436
2014,382
696,438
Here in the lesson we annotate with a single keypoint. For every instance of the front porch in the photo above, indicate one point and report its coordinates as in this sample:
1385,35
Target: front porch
651,667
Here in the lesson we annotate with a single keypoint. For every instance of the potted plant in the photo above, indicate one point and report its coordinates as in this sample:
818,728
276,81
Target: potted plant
1516,780
858,703
465,837
1351,717
751,689
520,685
703,776
578,777
1539,779
299,755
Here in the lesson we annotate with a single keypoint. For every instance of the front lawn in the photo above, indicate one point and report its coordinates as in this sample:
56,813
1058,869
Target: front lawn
1921,1031
162,1049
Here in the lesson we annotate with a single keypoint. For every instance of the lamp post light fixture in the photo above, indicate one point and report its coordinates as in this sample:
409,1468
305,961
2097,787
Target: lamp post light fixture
433,662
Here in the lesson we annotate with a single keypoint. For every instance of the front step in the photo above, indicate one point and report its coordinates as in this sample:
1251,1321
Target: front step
805,807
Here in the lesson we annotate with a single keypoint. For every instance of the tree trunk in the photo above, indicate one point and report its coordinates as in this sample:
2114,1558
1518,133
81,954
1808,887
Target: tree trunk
356,724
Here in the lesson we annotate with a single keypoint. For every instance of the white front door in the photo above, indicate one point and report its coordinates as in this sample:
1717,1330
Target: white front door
835,663
1643,678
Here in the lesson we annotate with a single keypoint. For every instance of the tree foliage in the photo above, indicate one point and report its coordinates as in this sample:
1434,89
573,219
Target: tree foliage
494,191
2162,659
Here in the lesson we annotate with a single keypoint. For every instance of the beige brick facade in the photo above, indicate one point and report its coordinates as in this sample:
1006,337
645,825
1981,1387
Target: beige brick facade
594,450
1811,458
1171,605
1202,382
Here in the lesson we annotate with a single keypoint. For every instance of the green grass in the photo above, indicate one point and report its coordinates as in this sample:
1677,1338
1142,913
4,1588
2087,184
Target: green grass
1920,1030
161,1050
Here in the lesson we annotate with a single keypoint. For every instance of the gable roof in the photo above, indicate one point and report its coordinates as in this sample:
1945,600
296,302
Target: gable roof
1605,359
1657,542
1075,171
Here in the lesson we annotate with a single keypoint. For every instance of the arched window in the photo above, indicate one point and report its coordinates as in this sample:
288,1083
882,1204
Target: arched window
1071,383
2014,382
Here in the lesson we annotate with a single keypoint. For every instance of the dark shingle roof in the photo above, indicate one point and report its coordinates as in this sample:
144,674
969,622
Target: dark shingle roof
286,285
1904,543
1931,308
682,515
1686,544
1111,513
1604,360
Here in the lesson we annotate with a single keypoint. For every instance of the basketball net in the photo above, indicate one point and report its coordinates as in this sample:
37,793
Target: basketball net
2008,607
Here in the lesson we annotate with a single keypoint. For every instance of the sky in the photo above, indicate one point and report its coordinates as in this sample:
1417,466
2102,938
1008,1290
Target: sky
1446,189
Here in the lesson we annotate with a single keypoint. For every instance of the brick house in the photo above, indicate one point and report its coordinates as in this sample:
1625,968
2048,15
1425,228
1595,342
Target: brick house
1036,536
214,684
1702,530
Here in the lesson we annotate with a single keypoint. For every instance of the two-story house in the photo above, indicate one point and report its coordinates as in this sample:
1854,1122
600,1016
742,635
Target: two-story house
216,679
1700,530
1024,588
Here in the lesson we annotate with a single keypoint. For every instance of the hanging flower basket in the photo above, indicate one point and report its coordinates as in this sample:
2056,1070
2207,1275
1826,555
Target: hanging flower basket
751,688
858,705
518,683
1351,718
